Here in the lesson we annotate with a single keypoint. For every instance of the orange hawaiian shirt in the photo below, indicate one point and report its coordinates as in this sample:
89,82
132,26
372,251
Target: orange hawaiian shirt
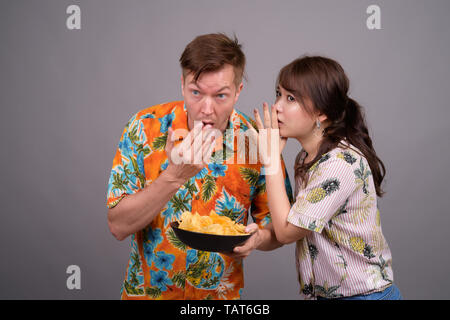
160,265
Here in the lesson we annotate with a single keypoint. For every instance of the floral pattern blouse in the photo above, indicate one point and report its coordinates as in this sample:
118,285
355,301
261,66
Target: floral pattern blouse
346,254
160,265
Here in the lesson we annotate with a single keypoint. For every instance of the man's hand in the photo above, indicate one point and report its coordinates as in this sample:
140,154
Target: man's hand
252,243
190,156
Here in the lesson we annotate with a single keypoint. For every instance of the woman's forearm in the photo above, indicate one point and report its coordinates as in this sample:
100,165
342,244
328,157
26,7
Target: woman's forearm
268,240
279,207
278,200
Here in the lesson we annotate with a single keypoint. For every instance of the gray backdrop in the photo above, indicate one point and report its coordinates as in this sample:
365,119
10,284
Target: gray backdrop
66,96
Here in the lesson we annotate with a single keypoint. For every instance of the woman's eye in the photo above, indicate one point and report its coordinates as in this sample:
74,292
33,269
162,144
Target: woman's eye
290,98
221,96
195,92
277,93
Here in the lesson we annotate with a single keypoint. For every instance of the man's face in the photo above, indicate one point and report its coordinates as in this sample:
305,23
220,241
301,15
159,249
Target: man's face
211,99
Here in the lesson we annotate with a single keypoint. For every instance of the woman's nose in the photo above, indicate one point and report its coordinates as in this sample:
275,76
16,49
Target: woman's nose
278,106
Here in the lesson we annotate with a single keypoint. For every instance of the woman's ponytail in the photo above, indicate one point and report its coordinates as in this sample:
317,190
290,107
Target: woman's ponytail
357,134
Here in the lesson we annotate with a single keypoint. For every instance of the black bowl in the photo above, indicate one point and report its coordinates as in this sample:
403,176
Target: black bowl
206,241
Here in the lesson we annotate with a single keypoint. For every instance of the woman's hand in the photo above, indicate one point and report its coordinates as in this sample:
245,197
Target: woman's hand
270,123
270,143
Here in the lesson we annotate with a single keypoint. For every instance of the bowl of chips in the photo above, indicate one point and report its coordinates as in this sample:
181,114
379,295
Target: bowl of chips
213,233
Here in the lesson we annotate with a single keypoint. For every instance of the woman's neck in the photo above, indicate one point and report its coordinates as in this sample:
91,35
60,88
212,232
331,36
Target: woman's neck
311,145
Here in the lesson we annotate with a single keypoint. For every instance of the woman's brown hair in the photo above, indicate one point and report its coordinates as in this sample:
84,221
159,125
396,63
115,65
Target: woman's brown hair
323,82
210,52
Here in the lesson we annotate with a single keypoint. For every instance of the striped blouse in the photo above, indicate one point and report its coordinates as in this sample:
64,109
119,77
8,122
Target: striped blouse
347,253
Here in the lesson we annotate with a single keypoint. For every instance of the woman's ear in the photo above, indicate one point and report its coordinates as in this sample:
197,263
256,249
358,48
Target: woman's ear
321,117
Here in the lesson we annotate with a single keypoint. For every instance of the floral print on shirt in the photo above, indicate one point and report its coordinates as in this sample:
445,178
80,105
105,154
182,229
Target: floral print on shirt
160,265
346,254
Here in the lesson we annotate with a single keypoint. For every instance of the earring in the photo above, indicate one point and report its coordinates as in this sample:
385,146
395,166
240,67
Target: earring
318,132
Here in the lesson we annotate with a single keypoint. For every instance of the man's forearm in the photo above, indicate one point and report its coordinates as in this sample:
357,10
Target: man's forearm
136,211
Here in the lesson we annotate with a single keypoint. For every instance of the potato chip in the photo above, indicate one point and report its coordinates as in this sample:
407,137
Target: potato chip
213,229
212,224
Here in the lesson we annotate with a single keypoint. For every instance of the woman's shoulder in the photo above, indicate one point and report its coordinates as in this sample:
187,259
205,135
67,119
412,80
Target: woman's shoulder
348,153
343,168
343,155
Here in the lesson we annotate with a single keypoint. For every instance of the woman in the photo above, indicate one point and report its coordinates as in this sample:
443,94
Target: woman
341,251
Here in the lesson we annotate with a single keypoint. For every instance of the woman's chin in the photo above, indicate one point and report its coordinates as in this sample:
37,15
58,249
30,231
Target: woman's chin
283,134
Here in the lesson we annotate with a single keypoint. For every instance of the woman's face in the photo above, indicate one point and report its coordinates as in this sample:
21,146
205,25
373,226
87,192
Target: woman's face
294,121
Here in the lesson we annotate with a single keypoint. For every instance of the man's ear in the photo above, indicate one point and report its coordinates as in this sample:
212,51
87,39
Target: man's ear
182,84
238,92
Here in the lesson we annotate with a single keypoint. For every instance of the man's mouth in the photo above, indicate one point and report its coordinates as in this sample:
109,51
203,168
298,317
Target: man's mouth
207,124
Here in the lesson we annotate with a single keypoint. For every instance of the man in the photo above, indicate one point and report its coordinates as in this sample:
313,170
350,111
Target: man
149,187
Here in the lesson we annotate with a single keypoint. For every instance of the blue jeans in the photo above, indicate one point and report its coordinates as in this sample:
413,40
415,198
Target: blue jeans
390,293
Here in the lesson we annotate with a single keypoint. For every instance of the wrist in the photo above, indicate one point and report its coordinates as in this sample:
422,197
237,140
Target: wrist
272,176
261,238
273,162
172,178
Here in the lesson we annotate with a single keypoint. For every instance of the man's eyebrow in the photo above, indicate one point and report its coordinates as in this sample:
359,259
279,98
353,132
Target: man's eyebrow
193,84
224,88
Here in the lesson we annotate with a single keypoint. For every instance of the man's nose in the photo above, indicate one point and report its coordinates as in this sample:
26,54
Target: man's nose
207,106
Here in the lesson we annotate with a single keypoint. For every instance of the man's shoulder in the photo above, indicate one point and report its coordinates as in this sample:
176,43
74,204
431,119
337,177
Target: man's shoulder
159,110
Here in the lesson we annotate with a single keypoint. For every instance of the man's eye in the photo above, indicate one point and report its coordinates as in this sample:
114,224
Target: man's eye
290,98
221,96
195,92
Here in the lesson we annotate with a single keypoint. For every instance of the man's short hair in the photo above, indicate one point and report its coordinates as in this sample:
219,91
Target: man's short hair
211,52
